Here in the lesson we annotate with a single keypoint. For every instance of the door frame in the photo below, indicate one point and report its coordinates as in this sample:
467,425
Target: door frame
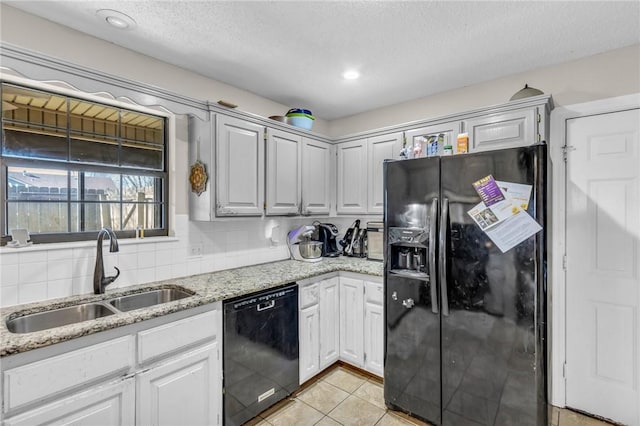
557,188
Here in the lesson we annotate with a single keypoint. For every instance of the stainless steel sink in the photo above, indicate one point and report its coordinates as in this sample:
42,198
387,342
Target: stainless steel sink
58,317
148,298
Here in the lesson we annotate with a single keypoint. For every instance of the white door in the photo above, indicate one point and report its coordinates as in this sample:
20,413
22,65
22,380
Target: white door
112,404
351,321
373,328
239,167
309,342
330,322
503,130
352,177
284,154
603,266
380,148
317,177
373,339
185,390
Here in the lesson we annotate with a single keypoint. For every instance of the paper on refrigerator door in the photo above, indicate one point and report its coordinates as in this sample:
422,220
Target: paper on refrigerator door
518,192
504,220
513,231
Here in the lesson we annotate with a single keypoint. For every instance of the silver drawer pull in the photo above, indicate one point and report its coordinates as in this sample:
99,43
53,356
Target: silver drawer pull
264,306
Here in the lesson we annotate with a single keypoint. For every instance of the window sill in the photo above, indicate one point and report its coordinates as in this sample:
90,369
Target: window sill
88,243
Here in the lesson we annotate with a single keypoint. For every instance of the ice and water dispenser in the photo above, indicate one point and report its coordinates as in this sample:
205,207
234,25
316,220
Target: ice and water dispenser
408,248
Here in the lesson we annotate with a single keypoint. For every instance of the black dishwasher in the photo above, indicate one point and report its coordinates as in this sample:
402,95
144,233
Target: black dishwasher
260,352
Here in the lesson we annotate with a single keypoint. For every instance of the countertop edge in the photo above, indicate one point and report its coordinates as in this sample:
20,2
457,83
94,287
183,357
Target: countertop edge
207,288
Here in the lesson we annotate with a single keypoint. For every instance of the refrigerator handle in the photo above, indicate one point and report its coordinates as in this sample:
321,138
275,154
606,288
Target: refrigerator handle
442,257
433,282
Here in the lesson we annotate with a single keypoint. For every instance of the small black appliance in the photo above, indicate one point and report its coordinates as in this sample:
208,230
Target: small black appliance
327,233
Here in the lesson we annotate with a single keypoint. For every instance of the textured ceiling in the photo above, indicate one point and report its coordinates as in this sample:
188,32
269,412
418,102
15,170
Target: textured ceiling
295,52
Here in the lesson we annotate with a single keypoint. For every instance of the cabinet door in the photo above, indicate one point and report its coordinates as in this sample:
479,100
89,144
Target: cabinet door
239,167
284,154
351,321
185,390
317,177
380,148
449,131
309,342
352,177
201,132
108,405
373,338
330,322
504,130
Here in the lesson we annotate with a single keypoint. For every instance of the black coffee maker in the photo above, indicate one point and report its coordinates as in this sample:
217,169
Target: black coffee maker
327,233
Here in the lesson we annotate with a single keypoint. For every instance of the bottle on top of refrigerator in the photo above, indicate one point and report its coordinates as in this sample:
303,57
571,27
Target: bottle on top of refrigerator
463,143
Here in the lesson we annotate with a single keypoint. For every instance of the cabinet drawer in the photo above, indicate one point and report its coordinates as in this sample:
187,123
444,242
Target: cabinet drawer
373,292
309,295
168,338
38,380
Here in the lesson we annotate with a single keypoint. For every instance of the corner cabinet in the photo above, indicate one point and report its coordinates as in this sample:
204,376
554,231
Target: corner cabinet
284,182
360,188
319,326
239,167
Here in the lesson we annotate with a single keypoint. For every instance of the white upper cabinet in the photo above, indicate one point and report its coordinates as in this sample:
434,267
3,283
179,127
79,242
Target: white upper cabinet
284,155
380,148
352,177
503,130
239,167
317,176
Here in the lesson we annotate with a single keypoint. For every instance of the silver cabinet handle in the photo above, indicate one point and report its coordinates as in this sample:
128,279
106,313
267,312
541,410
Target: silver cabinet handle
408,303
433,282
444,217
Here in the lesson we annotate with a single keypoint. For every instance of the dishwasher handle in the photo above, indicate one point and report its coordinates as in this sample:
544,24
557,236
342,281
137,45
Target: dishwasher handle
264,306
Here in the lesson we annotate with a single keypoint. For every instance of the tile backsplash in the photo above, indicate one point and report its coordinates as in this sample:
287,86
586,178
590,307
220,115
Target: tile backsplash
60,270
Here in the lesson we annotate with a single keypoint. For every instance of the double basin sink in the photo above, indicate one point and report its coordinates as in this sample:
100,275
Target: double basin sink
94,310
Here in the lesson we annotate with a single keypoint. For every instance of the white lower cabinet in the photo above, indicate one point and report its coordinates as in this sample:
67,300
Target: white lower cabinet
330,327
318,326
351,321
176,377
309,338
111,404
181,390
373,328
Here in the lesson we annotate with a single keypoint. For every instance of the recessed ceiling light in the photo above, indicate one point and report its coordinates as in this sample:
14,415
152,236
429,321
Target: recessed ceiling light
351,75
116,19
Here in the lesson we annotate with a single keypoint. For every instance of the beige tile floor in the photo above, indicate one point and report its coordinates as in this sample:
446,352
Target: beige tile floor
344,397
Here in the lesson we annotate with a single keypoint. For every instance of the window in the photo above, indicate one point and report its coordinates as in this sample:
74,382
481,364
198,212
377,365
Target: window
70,166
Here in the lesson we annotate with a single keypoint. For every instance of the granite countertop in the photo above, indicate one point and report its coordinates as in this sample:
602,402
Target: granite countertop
208,288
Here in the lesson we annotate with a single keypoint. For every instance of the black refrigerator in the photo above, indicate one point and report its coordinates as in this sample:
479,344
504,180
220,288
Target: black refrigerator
465,336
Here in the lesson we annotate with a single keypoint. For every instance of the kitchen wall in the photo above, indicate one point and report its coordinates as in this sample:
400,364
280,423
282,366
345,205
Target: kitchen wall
60,270
609,74
34,274
33,33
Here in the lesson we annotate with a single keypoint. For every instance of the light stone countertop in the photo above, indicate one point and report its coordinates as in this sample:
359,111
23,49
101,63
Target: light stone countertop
208,288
